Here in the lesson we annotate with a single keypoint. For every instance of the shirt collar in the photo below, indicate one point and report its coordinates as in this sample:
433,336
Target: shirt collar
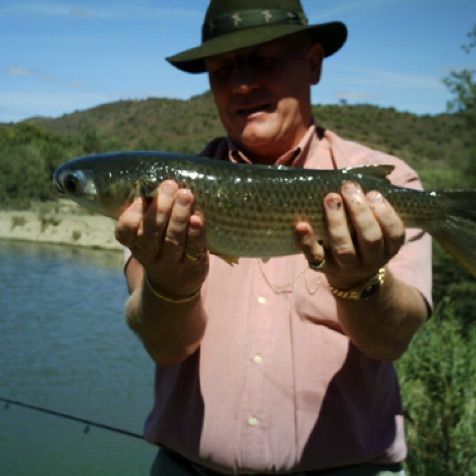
293,158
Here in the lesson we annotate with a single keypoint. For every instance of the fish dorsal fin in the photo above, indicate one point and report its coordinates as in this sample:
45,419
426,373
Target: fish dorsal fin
377,170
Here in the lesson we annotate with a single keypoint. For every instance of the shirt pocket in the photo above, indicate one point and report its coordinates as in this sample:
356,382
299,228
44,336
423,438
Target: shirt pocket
314,302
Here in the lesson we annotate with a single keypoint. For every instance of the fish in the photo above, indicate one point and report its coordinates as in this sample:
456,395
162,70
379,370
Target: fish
251,210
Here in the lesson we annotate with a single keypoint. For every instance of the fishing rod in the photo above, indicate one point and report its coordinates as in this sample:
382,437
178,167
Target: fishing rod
88,423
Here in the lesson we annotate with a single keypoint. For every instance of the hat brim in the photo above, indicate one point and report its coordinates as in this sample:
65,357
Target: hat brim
331,36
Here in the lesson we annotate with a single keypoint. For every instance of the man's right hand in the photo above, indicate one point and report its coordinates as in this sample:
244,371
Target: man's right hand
168,239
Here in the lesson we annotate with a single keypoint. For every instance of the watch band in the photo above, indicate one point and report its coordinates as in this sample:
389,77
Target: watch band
362,291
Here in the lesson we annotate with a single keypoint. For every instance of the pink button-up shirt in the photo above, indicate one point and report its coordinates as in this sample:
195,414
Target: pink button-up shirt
276,385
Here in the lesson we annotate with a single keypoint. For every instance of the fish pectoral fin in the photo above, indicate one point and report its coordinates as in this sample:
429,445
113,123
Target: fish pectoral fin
377,170
141,190
134,193
150,195
231,260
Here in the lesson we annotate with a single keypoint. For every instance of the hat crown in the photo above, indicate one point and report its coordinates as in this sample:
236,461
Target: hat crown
219,11
224,21
222,7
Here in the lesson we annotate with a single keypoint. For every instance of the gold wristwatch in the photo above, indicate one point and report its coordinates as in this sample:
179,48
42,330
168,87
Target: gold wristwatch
362,291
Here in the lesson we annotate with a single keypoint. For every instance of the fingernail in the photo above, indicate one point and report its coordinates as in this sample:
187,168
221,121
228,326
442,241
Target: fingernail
375,198
167,189
195,223
353,192
334,203
183,197
351,188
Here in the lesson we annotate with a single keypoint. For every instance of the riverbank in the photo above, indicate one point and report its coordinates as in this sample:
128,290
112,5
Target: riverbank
61,223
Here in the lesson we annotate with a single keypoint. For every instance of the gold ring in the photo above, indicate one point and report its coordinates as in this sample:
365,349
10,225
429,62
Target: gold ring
317,266
193,257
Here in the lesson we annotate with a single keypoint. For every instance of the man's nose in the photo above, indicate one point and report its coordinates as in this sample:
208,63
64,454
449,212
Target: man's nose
245,79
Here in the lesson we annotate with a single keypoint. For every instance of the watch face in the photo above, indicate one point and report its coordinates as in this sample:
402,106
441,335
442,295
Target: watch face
370,289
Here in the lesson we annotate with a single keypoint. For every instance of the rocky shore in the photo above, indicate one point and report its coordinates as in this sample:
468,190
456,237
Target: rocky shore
62,223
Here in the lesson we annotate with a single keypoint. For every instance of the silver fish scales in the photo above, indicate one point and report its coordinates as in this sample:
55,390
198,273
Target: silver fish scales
251,210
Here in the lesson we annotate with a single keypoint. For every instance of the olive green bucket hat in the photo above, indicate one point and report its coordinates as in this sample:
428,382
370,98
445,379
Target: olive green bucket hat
230,25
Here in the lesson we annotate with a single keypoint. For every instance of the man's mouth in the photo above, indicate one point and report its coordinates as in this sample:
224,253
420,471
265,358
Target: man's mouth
247,111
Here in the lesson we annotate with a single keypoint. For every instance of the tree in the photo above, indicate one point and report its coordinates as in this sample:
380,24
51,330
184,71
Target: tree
463,87
462,83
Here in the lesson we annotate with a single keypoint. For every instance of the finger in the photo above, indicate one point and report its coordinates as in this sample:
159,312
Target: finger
308,243
177,229
339,234
195,244
129,223
371,245
156,220
392,226
158,213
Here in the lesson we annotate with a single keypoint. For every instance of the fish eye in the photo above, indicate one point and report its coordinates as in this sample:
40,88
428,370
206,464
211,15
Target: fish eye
73,183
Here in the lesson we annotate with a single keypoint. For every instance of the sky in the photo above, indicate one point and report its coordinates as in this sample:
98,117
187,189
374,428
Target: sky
58,56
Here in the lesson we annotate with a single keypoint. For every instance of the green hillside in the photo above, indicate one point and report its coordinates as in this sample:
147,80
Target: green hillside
437,146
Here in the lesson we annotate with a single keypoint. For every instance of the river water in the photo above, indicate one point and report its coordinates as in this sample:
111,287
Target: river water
64,346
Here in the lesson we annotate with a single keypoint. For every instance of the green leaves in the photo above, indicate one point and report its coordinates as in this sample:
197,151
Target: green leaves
438,379
462,86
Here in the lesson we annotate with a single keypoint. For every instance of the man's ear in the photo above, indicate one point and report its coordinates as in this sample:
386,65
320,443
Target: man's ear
315,56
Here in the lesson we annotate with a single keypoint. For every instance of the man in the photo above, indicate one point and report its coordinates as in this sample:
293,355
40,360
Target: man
281,367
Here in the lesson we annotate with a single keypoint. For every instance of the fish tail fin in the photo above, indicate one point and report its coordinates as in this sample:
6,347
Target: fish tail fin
458,235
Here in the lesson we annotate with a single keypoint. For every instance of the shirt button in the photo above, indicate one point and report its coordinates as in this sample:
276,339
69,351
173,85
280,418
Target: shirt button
253,421
257,359
262,300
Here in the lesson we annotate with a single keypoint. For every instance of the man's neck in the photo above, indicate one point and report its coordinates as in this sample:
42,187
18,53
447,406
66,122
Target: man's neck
281,156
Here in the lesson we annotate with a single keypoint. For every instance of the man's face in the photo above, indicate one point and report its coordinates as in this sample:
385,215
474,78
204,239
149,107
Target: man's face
263,94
